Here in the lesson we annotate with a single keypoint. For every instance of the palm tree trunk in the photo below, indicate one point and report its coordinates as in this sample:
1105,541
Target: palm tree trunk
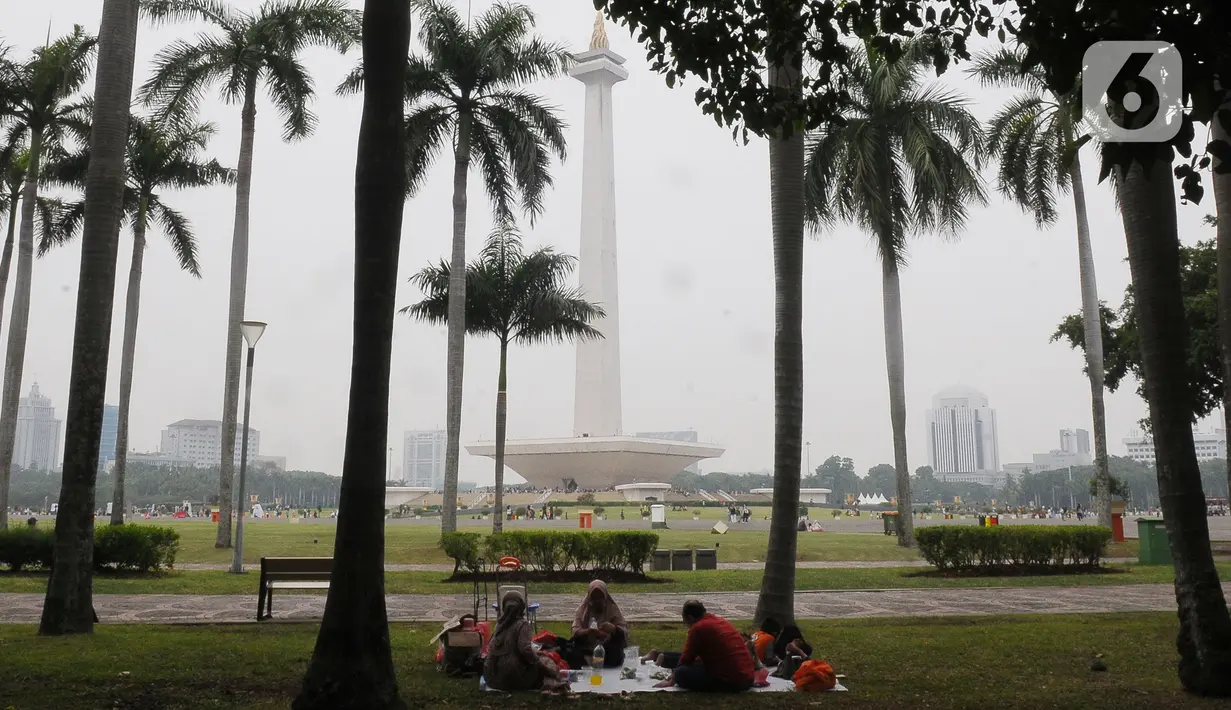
456,327
502,419
352,663
1222,204
786,194
69,605
1147,197
895,362
6,259
132,309
1092,323
235,315
15,356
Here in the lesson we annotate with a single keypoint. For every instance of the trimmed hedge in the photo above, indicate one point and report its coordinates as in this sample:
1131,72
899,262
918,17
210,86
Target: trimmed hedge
554,551
955,547
139,548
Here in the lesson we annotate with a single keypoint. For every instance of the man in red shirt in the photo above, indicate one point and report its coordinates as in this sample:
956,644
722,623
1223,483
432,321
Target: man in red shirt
715,657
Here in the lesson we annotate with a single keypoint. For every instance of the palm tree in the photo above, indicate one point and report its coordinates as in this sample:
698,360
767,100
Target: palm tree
352,662
465,93
161,154
518,298
14,158
1036,138
39,91
903,163
69,604
249,49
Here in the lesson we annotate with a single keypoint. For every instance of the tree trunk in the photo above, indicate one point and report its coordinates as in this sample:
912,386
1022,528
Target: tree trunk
456,327
15,356
786,194
352,663
132,309
895,362
6,259
69,605
1147,197
235,315
502,419
1222,204
1092,323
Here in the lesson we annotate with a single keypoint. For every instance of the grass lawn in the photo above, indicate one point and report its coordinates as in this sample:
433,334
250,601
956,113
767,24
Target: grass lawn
217,582
417,544
984,662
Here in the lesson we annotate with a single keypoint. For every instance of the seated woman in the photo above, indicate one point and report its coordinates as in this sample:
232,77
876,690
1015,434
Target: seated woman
598,622
512,663
790,642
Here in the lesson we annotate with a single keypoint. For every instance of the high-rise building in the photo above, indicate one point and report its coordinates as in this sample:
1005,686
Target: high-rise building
423,458
688,435
962,433
1210,445
38,433
200,441
106,443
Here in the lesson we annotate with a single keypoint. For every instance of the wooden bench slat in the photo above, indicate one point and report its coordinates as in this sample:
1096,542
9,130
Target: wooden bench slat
290,573
297,585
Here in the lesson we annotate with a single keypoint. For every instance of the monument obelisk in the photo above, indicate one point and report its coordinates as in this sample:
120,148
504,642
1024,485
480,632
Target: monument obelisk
596,406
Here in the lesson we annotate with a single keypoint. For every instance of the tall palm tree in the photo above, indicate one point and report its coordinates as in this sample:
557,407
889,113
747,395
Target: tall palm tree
518,298
905,162
40,90
14,158
352,662
1037,139
160,155
69,604
465,93
786,206
247,50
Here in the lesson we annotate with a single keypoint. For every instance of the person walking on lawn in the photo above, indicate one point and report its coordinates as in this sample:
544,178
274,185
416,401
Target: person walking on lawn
715,657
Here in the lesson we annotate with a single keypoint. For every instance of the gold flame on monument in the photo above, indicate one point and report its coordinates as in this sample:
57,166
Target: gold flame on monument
598,40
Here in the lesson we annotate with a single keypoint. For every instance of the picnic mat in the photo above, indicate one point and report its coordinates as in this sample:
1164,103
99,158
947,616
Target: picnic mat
614,685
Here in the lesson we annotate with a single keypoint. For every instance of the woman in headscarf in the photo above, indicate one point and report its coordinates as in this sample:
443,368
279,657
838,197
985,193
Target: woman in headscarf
512,663
598,621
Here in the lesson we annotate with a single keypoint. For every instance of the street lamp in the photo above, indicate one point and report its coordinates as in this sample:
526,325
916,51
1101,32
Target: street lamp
252,331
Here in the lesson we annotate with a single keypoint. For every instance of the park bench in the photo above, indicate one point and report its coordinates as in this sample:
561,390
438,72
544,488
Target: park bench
289,573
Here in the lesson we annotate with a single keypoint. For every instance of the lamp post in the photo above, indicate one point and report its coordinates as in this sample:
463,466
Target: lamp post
252,331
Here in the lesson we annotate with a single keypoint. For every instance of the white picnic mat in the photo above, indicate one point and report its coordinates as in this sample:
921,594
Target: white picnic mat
614,685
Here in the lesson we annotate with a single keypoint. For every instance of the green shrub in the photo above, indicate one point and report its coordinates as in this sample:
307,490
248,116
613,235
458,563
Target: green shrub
585,499
554,550
139,548
953,547
26,547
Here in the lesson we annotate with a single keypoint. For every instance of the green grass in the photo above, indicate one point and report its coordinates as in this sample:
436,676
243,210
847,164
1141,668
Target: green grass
985,662
217,582
417,544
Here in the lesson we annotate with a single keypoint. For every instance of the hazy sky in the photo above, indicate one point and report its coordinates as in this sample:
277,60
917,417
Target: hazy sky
696,289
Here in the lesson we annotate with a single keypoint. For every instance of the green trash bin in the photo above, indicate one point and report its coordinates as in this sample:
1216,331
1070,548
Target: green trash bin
1152,537
891,522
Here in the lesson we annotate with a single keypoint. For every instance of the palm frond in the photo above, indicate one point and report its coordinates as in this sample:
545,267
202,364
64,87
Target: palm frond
1004,67
178,232
488,151
428,130
291,88
48,212
184,71
212,11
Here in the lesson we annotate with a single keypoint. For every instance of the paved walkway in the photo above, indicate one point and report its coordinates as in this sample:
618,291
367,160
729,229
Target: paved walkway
182,608
845,564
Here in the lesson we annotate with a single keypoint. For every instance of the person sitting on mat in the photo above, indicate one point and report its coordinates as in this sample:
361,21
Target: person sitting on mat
512,663
764,639
715,659
790,642
598,621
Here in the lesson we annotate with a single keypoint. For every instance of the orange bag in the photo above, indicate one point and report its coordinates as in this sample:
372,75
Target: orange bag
815,676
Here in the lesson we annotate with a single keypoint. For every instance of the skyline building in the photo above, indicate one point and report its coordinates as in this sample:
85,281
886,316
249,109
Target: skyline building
1210,445
423,458
200,441
106,443
962,438
37,445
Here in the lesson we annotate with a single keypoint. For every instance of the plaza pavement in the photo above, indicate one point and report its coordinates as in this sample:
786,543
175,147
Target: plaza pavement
448,569
183,608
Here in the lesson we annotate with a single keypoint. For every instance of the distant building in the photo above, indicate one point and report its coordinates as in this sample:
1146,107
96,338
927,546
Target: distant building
423,458
38,433
200,441
1074,451
1210,445
158,459
962,435
106,443
689,435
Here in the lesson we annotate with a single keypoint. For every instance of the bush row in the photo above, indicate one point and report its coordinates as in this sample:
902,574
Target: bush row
552,551
137,548
964,547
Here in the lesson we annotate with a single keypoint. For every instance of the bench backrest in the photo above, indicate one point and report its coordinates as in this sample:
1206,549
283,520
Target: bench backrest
296,567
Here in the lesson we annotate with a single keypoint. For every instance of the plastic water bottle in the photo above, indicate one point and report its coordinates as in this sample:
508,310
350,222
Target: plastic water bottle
593,623
482,684
597,660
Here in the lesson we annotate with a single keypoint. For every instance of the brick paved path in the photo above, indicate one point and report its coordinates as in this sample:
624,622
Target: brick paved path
394,567
183,608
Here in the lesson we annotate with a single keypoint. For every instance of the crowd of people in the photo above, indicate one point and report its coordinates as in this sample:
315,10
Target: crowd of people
716,656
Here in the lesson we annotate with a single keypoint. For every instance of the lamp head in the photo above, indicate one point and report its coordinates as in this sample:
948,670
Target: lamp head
252,330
